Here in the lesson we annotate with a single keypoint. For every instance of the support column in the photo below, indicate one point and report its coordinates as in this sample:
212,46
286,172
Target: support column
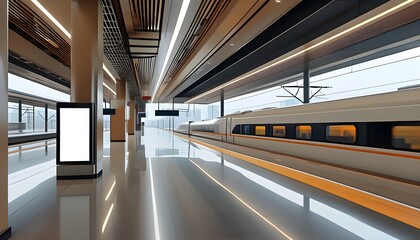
118,126
87,78
306,85
5,230
132,120
222,103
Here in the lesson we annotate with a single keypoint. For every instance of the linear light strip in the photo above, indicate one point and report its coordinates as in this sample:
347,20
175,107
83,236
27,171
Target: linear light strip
179,22
110,89
155,216
107,217
48,14
110,190
58,24
304,50
243,202
109,73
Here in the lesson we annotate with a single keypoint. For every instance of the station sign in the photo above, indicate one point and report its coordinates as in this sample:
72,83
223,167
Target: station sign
167,113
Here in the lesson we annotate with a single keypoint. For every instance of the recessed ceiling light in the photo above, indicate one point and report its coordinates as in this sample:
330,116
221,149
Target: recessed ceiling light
110,89
278,1
108,72
232,44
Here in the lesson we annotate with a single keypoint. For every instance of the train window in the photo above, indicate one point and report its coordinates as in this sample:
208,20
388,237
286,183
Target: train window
237,129
406,137
303,132
279,131
246,129
260,130
341,133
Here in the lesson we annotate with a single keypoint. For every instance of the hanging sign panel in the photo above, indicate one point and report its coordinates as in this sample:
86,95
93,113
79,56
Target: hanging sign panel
167,113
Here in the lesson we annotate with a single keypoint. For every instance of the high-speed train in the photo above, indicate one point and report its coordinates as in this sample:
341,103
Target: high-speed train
378,134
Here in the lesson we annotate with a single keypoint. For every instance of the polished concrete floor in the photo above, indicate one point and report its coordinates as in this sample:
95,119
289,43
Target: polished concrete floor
159,186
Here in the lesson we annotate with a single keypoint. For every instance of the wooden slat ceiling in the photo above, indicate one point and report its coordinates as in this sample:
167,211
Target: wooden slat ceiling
144,41
145,67
33,28
147,14
203,20
29,25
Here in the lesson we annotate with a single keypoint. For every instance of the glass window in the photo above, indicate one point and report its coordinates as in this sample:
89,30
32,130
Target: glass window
246,129
13,115
28,117
107,122
406,137
52,120
303,132
341,133
237,129
260,130
279,131
39,119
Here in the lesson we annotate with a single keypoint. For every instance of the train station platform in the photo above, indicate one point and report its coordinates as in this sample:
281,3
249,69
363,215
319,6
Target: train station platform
160,185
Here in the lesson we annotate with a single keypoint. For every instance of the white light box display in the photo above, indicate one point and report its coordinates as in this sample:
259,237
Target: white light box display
74,133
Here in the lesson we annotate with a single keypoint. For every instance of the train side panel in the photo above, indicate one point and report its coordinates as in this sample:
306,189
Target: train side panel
212,129
394,163
398,164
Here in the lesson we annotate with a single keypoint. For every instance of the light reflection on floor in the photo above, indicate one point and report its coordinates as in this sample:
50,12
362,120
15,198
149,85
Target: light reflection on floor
23,181
181,202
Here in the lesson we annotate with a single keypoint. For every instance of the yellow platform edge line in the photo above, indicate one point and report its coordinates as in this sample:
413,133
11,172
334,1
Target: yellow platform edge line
389,208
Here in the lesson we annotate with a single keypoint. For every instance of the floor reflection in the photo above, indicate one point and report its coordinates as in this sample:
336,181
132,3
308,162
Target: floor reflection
75,217
347,222
159,186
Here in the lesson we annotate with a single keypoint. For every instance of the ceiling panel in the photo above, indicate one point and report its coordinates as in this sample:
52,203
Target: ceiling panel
32,27
147,14
148,50
114,47
140,42
145,67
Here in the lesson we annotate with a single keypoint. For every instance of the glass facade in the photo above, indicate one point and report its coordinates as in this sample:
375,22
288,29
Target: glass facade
39,119
52,122
35,115
28,117
32,118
